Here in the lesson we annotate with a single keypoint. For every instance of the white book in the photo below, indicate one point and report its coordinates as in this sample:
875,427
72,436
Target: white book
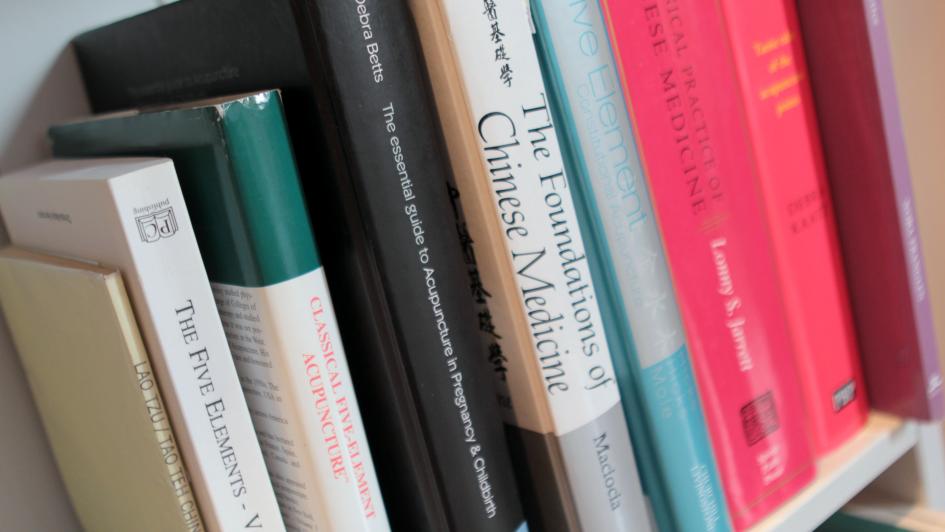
511,111
129,213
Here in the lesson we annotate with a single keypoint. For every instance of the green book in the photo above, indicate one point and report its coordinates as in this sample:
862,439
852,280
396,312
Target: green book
847,522
241,187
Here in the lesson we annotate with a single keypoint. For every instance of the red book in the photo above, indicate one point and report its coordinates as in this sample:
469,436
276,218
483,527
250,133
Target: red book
694,138
855,92
782,127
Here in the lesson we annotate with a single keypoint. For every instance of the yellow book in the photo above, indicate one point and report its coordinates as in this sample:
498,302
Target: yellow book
90,376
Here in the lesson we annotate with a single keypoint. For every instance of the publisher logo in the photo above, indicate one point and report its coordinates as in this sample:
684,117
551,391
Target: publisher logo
157,225
759,418
844,396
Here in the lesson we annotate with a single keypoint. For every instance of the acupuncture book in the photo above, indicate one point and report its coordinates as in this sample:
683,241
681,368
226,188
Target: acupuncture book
238,176
373,169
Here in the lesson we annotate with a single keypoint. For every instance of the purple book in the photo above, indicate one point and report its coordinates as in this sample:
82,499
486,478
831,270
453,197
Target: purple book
854,89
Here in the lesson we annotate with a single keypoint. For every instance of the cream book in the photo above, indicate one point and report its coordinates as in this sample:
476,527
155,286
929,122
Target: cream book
547,493
129,213
93,384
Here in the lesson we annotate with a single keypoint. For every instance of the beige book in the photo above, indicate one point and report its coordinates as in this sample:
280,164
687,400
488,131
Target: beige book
89,372
548,497
917,41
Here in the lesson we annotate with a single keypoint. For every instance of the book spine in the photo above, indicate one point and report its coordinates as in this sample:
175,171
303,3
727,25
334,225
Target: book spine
875,215
507,99
680,84
226,454
282,327
546,492
393,156
177,476
766,48
294,372
610,186
905,207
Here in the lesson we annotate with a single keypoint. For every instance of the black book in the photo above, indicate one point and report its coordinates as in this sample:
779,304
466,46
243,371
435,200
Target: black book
373,164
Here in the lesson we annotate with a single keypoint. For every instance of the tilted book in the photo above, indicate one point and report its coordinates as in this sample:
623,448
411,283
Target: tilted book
685,102
855,92
538,459
614,205
129,214
97,395
915,40
235,166
765,45
568,395
373,168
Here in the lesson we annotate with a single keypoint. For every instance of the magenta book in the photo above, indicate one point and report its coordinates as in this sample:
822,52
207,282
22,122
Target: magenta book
855,94
683,90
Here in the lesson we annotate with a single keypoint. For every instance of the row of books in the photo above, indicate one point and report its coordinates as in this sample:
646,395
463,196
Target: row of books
658,241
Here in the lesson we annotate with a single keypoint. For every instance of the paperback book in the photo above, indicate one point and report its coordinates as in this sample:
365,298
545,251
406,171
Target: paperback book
129,214
97,394
236,170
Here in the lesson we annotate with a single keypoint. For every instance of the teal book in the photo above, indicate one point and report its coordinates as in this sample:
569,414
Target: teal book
656,379
846,522
241,187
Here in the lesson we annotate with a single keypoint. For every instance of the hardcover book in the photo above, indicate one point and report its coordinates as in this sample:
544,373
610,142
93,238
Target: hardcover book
855,92
564,412
782,127
613,203
97,395
235,167
915,40
546,493
685,102
373,168
129,214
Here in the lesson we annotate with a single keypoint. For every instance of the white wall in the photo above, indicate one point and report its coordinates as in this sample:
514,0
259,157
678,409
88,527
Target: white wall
39,84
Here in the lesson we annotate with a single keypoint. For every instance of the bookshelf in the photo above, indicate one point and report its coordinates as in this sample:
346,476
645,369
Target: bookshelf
845,472
43,86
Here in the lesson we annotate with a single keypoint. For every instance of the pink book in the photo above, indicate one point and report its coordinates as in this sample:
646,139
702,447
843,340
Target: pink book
782,128
681,83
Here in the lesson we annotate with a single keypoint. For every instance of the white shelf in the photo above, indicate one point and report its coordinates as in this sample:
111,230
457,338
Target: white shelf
844,473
